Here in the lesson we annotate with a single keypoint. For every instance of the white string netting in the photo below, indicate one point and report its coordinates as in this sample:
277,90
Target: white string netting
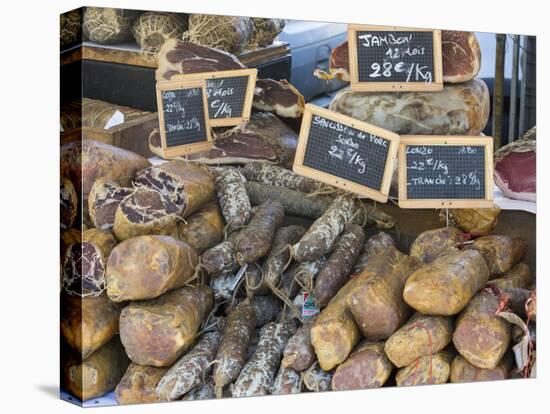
152,30
265,31
228,33
107,25
70,27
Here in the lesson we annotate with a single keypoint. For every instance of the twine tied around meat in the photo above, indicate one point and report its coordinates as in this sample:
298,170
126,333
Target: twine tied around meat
248,279
70,27
324,190
430,347
153,29
531,345
227,33
502,307
108,25
275,289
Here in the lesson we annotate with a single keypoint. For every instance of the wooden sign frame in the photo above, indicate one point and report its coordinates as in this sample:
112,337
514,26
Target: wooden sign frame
356,85
169,152
429,140
249,94
299,167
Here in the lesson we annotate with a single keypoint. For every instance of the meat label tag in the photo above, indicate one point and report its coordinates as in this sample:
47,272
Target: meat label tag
229,94
445,172
310,308
394,59
183,117
346,153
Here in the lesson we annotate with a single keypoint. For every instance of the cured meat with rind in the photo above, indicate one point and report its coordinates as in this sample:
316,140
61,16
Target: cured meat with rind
83,162
203,229
158,331
279,97
481,336
88,323
446,285
461,56
145,211
95,375
366,367
68,203
460,109
189,185
516,170
103,202
145,267
138,385
264,138
265,31
176,56
230,33
272,131
85,263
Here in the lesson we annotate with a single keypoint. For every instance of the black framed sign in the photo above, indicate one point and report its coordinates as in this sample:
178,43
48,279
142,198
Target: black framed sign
229,93
183,117
346,153
445,172
394,59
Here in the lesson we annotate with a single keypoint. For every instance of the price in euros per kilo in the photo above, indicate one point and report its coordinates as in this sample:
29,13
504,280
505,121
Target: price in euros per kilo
414,71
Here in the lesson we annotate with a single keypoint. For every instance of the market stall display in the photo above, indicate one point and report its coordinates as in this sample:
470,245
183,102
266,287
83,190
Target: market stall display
324,349
227,272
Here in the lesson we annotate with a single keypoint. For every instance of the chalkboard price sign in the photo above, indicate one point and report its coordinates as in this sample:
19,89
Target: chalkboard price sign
183,117
346,153
229,94
394,59
445,172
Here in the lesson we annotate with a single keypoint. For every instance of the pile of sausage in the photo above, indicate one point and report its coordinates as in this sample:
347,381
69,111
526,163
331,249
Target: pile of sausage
190,281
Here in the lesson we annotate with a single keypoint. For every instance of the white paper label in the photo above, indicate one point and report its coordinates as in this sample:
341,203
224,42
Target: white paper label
116,119
309,308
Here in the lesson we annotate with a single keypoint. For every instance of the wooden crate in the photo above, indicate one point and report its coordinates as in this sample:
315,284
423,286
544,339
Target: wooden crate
132,135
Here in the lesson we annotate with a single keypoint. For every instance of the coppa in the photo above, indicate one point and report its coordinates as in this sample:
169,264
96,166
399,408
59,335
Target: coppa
169,95
382,40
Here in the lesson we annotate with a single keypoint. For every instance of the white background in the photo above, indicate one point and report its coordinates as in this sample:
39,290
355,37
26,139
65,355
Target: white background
29,209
